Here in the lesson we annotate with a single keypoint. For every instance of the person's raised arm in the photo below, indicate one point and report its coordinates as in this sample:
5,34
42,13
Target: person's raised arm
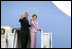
21,19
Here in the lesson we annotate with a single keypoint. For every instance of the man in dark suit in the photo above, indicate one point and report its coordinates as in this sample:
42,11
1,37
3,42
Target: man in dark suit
24,30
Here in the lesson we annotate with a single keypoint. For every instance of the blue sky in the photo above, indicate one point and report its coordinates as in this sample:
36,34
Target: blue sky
50,19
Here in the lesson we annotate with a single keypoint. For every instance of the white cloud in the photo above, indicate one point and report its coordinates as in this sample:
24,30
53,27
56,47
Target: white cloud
64,6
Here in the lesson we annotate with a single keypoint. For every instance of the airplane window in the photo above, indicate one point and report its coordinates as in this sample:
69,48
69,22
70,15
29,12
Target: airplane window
2,31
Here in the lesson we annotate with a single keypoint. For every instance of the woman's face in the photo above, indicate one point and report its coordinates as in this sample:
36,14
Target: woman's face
34,18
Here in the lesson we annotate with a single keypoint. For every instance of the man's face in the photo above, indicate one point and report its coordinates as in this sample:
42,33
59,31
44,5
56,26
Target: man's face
26,15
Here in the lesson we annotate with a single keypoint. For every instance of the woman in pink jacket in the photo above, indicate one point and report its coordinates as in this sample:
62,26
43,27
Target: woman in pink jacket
33,30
